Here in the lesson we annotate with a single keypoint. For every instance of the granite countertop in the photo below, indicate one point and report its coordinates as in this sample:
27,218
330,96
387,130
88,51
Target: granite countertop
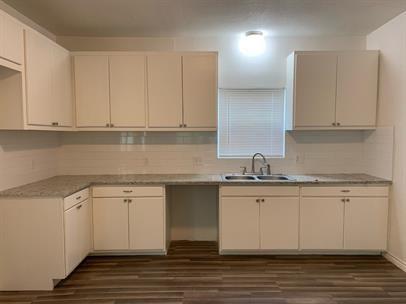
65,185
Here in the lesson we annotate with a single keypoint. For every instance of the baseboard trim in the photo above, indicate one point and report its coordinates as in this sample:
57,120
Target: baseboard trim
396,261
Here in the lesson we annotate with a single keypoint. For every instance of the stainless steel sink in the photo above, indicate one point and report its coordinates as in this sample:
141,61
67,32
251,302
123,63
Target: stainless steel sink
258,178
240,177
273,177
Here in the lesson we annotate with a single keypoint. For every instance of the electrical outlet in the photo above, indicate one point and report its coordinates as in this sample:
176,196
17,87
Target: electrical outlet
197,161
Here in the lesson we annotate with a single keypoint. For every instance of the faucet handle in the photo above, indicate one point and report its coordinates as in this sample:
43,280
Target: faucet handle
244,170
268,169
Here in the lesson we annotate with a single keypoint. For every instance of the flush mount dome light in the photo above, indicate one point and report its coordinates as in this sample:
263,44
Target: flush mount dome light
252,43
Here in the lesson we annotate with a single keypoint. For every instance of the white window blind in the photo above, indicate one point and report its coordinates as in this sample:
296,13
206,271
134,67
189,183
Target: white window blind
250,121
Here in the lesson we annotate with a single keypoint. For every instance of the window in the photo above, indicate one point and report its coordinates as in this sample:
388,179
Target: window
250,121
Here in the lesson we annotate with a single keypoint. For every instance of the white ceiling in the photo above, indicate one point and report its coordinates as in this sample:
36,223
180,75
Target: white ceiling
180,18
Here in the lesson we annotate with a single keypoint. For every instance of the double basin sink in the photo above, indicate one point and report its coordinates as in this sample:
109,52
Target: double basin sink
274,177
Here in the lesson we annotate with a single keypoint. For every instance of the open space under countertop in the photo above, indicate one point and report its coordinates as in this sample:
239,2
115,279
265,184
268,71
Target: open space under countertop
65,185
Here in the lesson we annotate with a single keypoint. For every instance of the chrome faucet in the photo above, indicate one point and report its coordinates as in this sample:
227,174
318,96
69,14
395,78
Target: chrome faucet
266,165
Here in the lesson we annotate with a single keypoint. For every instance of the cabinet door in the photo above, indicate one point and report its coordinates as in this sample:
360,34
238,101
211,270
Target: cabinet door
365,223
200,90
239,220
357,86
146,216
164,90
39,79
279,223
127,90
12,40
77,235
321,223
110,223
315,90
92,91
62,99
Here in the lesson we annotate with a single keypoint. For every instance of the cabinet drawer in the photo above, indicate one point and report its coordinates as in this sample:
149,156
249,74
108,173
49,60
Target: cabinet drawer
127,191
75,198
344,191
259,191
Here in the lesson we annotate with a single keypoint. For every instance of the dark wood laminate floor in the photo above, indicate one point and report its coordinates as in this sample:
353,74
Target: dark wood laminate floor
194,273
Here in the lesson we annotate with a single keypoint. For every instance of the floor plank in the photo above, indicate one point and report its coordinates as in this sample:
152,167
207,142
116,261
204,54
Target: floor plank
193,272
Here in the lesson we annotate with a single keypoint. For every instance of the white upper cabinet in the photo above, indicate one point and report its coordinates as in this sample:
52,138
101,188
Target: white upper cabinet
11,39
146,91
315,90
332,90
38,79
165,90
200,90
357,83
48,82
62,92
127,90
92,91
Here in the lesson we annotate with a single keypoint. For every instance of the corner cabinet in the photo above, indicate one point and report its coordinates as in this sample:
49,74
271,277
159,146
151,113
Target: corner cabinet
155,91
43,239
11,39
331,90
48,82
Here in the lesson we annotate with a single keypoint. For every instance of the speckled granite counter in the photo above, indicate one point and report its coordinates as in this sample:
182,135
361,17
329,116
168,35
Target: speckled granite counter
65,185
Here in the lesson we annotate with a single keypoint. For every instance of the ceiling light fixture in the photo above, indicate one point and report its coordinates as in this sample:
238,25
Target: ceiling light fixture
252,43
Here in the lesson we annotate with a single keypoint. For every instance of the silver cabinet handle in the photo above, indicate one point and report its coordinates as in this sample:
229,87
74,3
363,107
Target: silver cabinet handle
258,200
127,191
334,124
343,200
78,207
111,125
125,200
79,197
55,123
130,200
338,124
107,125
347,200
345,191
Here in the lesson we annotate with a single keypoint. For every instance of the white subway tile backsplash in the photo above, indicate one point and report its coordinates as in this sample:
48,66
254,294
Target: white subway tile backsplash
29,156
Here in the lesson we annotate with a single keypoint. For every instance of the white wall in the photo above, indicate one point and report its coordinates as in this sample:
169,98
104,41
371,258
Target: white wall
27,156
391,40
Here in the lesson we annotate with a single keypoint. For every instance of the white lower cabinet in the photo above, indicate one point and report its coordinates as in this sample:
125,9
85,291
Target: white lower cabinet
365,225
269,221
146,223
239,223
134,219
279,223
321,223
339,218
110,223
78,240
344,218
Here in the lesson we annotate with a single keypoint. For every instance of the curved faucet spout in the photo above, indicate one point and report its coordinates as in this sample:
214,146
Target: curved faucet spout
264,161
